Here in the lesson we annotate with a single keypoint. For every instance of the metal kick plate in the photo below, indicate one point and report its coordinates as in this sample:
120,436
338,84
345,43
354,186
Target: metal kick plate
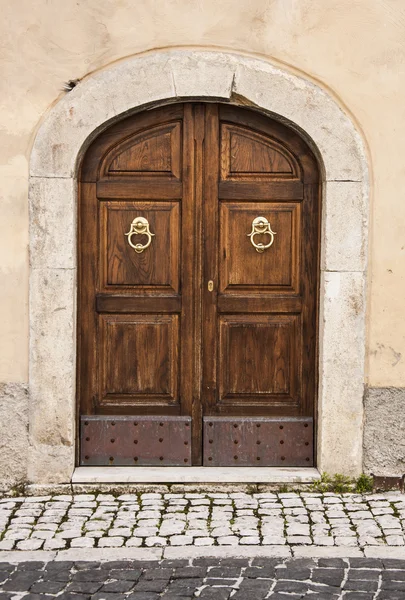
144,441
258,442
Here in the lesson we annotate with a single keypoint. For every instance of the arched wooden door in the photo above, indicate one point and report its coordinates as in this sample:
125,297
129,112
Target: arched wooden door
198,291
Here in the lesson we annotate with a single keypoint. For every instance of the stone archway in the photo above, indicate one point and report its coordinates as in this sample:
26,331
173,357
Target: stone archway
150,80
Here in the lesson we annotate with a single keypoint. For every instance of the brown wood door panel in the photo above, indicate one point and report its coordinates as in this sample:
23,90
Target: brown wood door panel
245,269
199,325
248,155
157,267
126,190
139,359
276,132
108,303
154,152
130,132
259,360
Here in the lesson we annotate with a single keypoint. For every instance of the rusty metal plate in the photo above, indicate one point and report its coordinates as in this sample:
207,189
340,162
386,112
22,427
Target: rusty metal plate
131,441
258,442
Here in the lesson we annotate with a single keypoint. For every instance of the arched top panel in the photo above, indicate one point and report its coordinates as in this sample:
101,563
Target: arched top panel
148,145
248,152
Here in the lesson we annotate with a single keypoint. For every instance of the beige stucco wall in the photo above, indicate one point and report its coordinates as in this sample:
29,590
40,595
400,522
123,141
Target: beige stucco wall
354,48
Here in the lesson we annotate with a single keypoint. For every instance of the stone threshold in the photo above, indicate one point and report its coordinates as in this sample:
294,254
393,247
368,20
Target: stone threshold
187,552
173,475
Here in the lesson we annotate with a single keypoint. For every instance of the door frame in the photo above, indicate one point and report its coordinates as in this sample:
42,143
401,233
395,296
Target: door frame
158,78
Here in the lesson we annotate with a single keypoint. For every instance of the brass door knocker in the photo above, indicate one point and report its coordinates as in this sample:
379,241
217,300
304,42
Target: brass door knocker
139,226
260,225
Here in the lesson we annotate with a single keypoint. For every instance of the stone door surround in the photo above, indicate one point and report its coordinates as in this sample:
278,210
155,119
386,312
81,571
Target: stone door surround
158,78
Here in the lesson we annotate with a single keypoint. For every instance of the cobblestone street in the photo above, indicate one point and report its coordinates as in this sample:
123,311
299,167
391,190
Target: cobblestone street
240,579
203,545
198,519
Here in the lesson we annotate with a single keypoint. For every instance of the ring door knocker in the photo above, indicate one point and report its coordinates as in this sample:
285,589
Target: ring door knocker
260,225
139,226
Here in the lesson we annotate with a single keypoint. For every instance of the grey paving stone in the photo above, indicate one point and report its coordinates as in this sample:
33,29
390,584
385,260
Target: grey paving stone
126,574
291,587
119,586
226,572
20,581
158,573
90,575
293,573
392,563
361,586
393,575
366,563
84,587
332,577
393,585
157,585
48,587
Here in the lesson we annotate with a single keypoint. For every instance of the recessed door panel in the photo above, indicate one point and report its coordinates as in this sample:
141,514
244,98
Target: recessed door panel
254,261
154,152
139,358
258,359
145,256
250,155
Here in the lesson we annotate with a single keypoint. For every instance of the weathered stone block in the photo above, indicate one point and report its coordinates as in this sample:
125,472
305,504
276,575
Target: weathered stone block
13,434
52,223
384,431
345,223
342,348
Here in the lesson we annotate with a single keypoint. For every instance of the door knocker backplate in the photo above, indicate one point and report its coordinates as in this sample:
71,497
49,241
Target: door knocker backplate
139,226
260,225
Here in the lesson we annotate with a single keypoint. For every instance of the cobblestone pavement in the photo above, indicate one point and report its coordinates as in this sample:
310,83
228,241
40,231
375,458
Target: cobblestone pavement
222,519
214,519
239,579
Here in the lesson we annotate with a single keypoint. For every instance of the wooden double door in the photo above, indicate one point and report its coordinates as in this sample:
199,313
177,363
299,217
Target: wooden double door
198,288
